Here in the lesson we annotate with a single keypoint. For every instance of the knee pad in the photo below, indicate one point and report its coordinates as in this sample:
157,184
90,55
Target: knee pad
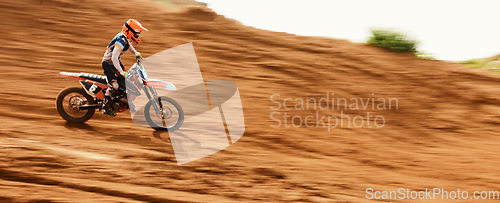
108,92
114,84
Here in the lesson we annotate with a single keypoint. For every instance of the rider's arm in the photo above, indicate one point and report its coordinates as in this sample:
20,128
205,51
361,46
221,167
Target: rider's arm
114,57
132,49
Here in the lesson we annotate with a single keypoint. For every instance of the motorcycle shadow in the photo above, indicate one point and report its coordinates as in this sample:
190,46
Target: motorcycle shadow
162,135
155,141
83,126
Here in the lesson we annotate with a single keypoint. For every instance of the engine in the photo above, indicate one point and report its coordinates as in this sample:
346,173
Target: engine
120,105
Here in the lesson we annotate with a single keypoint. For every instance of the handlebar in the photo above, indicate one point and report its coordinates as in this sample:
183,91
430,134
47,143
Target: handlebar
137,69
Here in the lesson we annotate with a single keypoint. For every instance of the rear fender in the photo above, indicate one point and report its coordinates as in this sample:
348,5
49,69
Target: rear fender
92,88
75,76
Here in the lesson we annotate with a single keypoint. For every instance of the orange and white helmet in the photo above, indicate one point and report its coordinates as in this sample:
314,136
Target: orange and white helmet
132,29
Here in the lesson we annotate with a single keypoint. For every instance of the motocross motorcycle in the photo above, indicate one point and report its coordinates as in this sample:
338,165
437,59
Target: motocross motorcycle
78,104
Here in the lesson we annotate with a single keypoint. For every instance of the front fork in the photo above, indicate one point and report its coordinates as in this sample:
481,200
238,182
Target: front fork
151,94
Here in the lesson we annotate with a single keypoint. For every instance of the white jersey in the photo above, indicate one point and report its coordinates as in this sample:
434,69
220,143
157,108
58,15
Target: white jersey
115,48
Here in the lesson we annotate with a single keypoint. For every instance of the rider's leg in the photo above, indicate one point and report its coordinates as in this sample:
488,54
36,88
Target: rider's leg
112,88
112,79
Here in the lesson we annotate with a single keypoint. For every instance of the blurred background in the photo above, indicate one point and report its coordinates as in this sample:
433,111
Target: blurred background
450,30
443,134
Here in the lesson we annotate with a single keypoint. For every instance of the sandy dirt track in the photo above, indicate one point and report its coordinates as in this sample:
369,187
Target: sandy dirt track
445,132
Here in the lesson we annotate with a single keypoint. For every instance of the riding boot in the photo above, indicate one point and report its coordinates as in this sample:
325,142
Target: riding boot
107,106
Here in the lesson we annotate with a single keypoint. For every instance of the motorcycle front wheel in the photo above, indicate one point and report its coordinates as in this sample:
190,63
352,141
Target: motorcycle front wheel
169,118
68,102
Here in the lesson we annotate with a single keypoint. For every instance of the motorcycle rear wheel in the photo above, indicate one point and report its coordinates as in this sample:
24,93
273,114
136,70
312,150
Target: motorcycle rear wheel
68,102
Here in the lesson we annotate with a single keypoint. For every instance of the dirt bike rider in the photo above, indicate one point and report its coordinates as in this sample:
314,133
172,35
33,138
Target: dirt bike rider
113,68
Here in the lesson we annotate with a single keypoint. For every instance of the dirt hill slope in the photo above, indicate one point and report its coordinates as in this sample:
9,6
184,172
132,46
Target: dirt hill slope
444,132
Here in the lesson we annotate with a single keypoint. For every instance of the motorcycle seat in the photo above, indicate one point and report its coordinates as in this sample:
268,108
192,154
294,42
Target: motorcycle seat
94,77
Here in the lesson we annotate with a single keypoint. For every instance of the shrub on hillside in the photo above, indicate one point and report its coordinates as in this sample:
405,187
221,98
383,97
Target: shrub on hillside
393,41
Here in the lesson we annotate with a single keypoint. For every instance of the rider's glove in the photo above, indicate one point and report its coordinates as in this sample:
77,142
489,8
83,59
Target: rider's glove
138,55
125,74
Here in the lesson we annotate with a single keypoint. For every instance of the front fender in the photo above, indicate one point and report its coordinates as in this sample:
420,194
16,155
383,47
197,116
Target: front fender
162,84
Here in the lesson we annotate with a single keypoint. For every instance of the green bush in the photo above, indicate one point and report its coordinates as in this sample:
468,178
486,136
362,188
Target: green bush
393,41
